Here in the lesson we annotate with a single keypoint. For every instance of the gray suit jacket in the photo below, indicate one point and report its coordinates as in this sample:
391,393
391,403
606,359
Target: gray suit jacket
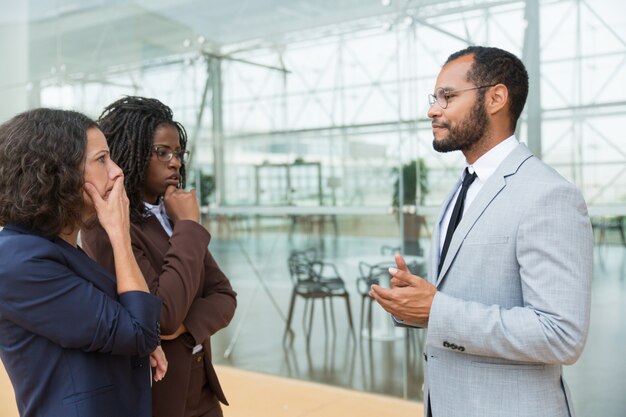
513,297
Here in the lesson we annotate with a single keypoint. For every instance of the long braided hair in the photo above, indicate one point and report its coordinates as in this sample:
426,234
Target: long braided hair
129,125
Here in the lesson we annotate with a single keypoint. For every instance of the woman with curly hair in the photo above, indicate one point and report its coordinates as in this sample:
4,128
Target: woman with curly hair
171,248
74,340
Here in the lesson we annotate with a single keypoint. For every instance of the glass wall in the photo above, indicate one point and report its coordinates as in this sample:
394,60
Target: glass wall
351,98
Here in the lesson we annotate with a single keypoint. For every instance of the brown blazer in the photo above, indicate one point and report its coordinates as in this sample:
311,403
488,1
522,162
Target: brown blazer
181,271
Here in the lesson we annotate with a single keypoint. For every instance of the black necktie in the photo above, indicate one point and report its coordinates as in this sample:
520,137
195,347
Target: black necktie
457,213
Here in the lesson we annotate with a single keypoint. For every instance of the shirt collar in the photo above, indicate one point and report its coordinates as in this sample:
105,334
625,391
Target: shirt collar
487,164
156,209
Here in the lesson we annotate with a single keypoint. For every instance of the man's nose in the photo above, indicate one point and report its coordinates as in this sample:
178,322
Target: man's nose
434,111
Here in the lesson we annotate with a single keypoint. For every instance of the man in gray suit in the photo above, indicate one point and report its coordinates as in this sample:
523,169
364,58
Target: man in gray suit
508,297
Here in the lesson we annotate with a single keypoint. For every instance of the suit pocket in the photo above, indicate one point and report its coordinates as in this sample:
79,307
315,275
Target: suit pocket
509,366
100,402
486,240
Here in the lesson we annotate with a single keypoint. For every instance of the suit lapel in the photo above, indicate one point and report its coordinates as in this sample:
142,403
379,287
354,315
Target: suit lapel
77,261
156,234
89,270
487,194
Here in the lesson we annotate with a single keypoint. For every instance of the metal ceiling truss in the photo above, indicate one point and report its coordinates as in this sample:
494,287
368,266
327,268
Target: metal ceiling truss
407,23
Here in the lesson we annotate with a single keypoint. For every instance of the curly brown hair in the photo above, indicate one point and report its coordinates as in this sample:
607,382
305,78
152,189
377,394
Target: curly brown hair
42,152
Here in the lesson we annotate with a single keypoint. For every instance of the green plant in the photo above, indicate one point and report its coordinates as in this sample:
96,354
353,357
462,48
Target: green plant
409,183
207,187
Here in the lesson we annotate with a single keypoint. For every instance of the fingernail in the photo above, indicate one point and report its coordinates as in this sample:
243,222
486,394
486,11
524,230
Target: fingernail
392,271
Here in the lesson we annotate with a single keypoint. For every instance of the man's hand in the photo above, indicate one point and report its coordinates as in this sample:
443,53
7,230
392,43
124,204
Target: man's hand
400,262
181,205
410,297
159,363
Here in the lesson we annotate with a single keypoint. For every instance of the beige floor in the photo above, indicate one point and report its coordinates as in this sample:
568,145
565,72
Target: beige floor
7,399
258,395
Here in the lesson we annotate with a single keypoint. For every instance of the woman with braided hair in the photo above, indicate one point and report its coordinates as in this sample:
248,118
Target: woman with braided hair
171,248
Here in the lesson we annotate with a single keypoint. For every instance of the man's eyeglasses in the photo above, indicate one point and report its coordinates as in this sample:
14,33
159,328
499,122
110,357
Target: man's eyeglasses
165,154
442,95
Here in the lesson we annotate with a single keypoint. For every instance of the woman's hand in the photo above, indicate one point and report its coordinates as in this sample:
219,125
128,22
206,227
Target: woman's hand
181,204
114,216
113,211
158,361
181,329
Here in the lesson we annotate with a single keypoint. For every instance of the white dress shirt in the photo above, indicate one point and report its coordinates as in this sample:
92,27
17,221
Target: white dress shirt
159,212
484,167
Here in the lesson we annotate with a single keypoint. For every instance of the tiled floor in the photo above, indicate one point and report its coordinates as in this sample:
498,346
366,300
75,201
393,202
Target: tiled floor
261,395
7,399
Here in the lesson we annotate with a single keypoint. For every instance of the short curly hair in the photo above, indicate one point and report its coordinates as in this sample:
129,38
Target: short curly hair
42,153
497,66
129,125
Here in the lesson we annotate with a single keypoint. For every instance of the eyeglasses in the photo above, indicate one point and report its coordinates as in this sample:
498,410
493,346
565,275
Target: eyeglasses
442,95
165,154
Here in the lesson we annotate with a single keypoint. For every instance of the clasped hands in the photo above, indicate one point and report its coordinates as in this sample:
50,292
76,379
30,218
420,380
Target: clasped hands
410,296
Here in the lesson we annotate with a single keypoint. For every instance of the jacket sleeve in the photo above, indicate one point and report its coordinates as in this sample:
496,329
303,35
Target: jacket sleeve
178,281
43,295
554,253
215,308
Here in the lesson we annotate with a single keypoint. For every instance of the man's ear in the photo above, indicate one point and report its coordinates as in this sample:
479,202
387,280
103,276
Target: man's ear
496,99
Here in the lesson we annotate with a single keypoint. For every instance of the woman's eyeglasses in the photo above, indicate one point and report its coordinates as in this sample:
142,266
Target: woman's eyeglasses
165,154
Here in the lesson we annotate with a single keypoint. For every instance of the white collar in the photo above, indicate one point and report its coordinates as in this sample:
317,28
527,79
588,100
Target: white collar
487,164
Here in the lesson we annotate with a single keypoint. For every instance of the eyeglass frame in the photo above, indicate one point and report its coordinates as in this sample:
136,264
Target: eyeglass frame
182,155
432,98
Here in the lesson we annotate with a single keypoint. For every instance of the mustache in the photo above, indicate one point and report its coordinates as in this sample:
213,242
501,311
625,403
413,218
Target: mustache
440,123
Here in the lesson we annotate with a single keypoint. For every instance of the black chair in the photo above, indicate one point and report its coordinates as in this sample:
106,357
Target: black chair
414,267
604,224
389,250
369,275
313,280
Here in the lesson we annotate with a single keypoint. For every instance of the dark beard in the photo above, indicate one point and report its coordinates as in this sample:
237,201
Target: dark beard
467,133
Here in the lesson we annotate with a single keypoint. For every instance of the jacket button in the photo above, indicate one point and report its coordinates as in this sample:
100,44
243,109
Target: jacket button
426,357
199,358
453,346
446,344
461,349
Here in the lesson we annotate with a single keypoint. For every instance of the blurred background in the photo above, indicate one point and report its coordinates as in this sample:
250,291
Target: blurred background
312,156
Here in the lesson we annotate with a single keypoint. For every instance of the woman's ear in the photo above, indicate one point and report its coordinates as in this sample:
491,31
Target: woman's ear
497,99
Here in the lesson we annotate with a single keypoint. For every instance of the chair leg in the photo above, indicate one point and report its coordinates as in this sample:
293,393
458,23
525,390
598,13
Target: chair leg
308,336
305,314
347,298
332,315
369,317
620,224
362,318
288,330
325,318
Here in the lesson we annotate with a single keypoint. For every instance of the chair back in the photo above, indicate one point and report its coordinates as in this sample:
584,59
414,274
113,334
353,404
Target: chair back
371,274
300,268
390,250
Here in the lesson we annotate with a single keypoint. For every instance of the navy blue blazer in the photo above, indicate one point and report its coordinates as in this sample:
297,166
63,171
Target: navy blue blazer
71,346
